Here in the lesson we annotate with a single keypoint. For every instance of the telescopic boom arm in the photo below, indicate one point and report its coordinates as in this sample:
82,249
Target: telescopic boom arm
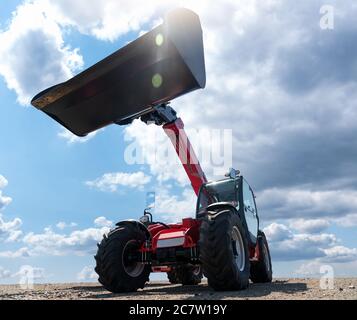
164,115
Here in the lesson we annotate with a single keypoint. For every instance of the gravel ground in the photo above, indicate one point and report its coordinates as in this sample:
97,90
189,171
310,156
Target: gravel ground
281,289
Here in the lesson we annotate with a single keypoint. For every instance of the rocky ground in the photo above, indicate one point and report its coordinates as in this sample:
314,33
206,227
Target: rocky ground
279,289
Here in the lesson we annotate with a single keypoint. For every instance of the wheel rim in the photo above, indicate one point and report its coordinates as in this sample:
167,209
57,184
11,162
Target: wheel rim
238,249
266,259
131,266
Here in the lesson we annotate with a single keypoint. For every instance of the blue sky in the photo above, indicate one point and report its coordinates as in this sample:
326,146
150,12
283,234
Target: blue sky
284,86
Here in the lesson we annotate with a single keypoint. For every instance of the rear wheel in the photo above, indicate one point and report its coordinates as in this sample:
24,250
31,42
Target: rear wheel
224,252
118,260
261,271
185,275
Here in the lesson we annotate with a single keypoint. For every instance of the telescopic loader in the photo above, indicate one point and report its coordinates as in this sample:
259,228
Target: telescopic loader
223,242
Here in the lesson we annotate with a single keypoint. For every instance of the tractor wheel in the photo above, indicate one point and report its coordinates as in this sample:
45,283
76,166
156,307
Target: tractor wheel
118,260
261,271
224,252
187,275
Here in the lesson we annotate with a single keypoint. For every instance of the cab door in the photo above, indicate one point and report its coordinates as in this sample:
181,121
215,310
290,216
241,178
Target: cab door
250,211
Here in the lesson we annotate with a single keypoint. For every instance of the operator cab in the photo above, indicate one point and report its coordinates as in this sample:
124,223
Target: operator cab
233,191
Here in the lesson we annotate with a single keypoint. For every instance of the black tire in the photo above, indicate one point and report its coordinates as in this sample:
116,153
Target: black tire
117,273
218,252
261,271
188,275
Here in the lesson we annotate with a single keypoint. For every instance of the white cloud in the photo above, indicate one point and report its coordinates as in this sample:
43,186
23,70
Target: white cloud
277,232
173,208
320,249
9,230
14,236
20,253
152,147
73,139
106,20
103,222
287,246
347,221
78,242
4,274
112,181
310,226
3,182
4,201
33,53
63,225
87,274
340,254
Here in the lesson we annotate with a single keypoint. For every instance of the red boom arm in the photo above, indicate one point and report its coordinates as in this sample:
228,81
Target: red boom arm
176,132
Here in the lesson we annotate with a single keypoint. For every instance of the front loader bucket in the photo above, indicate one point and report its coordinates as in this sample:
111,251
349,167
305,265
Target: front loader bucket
156,68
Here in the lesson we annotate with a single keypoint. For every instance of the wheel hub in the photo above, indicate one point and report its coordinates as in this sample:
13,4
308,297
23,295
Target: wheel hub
132,266
238,249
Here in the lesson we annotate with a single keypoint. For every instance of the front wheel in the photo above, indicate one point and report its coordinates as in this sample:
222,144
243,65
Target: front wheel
224,252
118,260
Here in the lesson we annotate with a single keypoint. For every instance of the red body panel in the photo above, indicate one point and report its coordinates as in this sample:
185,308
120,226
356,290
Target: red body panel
176,132
188,229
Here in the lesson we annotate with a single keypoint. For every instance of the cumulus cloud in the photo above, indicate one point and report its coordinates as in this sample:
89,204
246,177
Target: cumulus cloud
10,230
347,221
81,242
87,274
277,232
4,274
63,225
20,253
172,208
310,226
340,254
287,246
3,182
103,222
149,145
77,242
112,181
319,248
73,139
33,53
107,20
4,201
